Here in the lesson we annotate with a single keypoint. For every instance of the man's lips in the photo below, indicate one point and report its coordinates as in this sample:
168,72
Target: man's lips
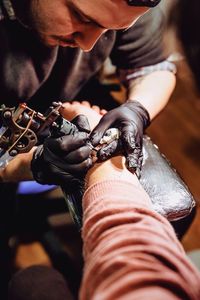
66,43
59,40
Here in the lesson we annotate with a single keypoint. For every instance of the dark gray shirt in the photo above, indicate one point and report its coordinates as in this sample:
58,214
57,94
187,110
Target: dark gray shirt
31,72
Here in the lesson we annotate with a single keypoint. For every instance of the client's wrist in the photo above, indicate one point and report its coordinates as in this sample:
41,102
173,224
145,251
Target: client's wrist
111,169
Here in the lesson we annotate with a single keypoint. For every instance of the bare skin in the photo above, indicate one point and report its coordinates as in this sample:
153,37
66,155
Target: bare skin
80,23
94,113
19,168
114,167
75,23
33,253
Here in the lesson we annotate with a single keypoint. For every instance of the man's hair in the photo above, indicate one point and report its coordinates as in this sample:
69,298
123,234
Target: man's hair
147,3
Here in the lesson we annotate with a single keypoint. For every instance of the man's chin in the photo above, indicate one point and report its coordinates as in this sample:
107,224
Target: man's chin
48,43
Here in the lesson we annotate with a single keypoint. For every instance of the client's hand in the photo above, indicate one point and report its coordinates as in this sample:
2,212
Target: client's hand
131,118
113,168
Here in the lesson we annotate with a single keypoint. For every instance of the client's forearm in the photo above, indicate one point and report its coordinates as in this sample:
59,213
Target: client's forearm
130,251
18,169
113,168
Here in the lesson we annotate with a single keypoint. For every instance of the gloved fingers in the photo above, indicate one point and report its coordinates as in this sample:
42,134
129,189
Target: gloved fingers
77,169
131,146
108,150
131,137
133,161
67,143
78,155
106,121
82,123
138,170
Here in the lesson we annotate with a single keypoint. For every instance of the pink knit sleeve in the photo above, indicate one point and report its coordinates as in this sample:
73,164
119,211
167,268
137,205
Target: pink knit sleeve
130,251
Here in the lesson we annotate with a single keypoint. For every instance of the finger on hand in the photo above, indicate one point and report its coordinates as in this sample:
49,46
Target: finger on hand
80,168
107,151
75,102
78,155
86,103
82,123
103,112
66,143
133,160
100,129
96,108
128,139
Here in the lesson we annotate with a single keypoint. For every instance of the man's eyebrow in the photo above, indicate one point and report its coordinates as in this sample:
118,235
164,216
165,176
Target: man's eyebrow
86,16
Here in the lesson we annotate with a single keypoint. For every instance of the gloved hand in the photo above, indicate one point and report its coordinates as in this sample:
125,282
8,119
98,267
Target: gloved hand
63,160
131,118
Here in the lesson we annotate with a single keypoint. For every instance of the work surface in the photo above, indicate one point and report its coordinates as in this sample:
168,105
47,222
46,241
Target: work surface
177,133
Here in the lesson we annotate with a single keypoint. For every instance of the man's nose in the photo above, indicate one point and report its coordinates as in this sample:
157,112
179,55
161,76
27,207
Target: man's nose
87,38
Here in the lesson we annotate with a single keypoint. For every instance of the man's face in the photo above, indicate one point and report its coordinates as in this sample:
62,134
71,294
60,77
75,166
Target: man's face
80,23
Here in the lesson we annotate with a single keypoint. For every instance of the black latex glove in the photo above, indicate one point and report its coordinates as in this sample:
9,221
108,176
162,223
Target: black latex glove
131,118
64,160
